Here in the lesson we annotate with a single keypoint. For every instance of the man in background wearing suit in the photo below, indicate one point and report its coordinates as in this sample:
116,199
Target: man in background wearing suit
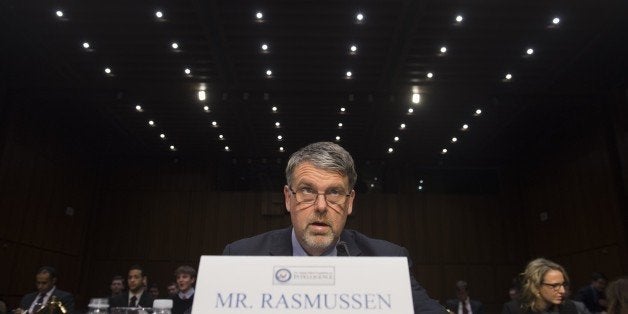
45,280
462,304
136,295
319,196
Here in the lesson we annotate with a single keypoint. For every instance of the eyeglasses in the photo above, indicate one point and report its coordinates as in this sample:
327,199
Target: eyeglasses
307,196
556,286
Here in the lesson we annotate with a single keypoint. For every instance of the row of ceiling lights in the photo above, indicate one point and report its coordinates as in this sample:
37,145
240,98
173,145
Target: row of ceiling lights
359,19
555,21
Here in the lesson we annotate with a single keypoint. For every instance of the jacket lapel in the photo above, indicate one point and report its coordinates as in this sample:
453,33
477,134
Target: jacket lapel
281,243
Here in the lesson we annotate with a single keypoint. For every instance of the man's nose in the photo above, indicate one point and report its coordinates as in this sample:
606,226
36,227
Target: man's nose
321,202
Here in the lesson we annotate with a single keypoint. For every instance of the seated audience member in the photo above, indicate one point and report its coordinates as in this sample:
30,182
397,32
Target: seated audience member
182,301
117,285
592,295
45,281
580,307
542,290
462,304
135,296
153,289
172,289
617,296
3,307
319,196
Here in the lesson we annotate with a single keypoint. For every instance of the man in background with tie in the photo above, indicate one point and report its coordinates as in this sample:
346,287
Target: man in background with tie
319,196
45,280
462,304
136,295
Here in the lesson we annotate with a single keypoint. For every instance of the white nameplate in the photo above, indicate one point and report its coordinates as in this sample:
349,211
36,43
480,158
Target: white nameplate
287,284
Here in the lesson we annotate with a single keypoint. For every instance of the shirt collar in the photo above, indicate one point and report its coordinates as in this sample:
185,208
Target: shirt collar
186,295
297,249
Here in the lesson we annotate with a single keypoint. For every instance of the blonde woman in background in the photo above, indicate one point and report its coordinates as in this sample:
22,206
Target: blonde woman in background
542,290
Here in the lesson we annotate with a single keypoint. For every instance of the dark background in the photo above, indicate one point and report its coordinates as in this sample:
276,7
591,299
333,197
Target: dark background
88,187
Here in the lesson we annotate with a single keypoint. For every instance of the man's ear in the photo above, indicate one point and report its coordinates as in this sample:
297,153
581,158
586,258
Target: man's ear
287,194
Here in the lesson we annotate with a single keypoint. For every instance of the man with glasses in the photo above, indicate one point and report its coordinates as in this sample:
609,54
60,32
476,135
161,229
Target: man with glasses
319,196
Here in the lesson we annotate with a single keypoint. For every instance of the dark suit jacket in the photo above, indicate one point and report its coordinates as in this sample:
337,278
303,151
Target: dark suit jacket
589,296
514,307
122,300
66,299
279,243
476,306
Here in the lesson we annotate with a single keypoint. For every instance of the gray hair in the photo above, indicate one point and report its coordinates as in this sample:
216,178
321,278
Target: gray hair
324,155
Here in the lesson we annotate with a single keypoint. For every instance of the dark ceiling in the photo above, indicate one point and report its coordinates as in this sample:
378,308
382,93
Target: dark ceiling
398,43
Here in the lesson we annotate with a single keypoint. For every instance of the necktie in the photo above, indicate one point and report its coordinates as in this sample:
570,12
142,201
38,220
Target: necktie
39,303
133,301
464,308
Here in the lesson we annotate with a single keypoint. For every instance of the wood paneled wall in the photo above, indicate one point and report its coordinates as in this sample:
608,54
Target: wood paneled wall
42,173
576,188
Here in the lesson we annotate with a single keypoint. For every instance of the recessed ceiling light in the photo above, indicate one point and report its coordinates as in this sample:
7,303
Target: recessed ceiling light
281,149
269,72
454,139
187,71
348,74
215,124
343,109
173,148
421,181
396,138
478,112
339,124
151,122
202,95
159,14
264,47
274,109
86,45
337,138
174,45
402,126
556,20
444,151
410,110
530,51
206,108
353,48
227,148
163,136
420,187
279,137
277,124
108,70
359,17
443,49
259,15
430,75
416,98
464,127
139,108
390,150
221,137
459,18
59,13
508,76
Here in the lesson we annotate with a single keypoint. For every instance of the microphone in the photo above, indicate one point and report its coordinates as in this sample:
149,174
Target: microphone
342,249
